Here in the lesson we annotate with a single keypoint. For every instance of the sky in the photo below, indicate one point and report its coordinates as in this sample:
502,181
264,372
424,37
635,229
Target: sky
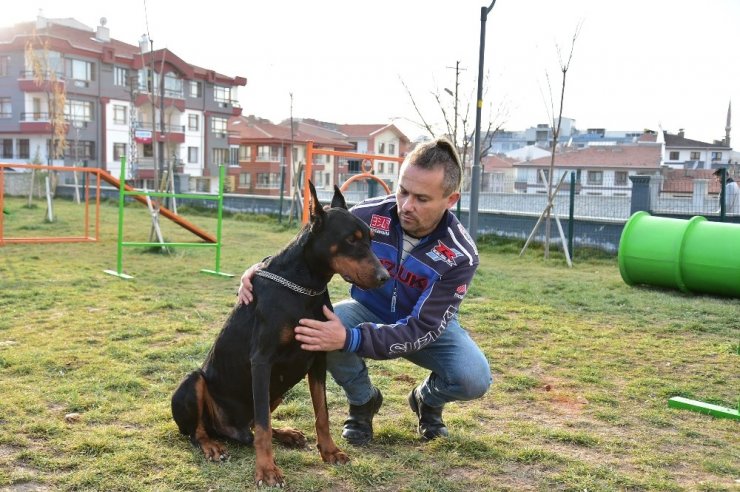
635,64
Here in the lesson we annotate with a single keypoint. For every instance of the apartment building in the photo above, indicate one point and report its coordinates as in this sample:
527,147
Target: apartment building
147,104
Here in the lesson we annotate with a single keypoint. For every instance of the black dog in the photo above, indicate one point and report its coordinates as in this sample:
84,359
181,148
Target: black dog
256,358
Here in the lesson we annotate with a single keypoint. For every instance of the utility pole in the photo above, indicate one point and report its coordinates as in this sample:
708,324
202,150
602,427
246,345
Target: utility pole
475,180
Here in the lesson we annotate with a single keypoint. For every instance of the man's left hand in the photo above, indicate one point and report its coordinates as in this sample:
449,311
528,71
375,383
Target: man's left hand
322,336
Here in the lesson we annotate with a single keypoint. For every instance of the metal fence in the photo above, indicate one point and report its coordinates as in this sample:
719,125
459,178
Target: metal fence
599,212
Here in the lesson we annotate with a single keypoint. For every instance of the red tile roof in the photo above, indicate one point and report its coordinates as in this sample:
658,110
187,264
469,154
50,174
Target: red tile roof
497,162
606,156
260,130
682,180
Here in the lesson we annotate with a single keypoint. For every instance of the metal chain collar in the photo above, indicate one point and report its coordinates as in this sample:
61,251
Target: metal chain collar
289,284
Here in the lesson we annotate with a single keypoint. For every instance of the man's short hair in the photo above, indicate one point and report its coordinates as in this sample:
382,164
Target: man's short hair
718,172
439,152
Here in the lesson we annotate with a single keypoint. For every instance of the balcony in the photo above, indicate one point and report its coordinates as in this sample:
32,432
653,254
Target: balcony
27,82
168,133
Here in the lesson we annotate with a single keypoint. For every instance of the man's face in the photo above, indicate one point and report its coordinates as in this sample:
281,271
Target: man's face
421,200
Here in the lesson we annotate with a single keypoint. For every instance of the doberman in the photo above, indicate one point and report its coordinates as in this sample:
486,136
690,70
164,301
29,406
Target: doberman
256,358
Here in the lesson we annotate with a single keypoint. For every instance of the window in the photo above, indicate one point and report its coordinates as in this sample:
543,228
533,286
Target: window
193,155
193,122
119,114
196,88
218,125
620,178
119,150
120,77
4,65
546,173
172,85
222,94
220,156
7,148
392,148
268,180
6,108
695,156
673,156
716,156
78,110
148,150
245,152
79,70
381,166
24,148
245,180
82,149
233,156
595,177
267,153
381,148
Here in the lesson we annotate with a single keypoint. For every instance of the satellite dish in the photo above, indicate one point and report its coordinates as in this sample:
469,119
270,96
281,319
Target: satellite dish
103,21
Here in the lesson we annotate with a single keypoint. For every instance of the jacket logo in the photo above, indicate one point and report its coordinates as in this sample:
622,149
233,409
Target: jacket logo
460,291
380,224
442,252
404,276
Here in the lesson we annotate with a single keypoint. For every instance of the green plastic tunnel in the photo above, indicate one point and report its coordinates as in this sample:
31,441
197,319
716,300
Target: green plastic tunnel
695,255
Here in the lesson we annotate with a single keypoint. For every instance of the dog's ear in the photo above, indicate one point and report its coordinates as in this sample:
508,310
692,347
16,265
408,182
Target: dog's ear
338,199
317,211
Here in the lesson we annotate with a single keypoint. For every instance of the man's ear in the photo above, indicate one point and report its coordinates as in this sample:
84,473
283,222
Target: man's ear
316,210
338,199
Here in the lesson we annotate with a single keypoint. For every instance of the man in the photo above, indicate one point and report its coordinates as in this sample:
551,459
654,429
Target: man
732,192
431,259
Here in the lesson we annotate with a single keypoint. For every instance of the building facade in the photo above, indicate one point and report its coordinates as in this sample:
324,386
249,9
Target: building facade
62,82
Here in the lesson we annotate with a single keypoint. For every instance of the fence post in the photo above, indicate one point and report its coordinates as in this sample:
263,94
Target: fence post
640,194
571,212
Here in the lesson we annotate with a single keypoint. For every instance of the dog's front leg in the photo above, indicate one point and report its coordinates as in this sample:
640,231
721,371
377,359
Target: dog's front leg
266,471
329,451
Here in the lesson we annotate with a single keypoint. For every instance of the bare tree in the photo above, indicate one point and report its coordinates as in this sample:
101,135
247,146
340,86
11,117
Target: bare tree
456,121
553,190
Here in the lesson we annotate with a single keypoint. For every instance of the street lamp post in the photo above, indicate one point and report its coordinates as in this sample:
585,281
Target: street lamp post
475,181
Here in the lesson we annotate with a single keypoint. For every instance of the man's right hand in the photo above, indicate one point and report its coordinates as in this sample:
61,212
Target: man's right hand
245,295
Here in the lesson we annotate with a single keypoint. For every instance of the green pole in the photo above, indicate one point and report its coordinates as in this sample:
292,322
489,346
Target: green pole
282,190
219,221
121,196
571,212
722,194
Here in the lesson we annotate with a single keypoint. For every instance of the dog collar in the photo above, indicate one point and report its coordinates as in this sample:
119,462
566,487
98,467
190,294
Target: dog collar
289,284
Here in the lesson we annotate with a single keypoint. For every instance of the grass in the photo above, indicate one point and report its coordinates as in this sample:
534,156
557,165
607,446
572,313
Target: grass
583,366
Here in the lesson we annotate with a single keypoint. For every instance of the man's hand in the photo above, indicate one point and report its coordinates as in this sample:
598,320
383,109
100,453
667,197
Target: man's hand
245,289
322,336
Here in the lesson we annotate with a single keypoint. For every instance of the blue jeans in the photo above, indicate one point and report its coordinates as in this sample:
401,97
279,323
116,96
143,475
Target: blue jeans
460,371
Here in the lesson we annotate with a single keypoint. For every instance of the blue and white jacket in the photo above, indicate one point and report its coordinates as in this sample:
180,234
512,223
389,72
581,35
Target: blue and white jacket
424,290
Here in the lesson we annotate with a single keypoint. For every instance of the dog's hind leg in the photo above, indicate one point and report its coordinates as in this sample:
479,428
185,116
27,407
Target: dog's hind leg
329,451
191,406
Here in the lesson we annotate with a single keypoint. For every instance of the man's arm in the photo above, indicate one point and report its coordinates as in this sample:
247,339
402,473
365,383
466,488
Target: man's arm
427,321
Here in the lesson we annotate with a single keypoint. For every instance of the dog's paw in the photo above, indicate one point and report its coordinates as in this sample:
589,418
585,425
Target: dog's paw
289,437
334,456
270,476
214,451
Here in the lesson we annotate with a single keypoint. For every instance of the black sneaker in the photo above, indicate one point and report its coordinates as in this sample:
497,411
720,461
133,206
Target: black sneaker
431,425
358,428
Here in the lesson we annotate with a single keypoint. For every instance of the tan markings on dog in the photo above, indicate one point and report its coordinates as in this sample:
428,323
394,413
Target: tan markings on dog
358,234
329,451
345,266
266,471
286,335
333,249
213,450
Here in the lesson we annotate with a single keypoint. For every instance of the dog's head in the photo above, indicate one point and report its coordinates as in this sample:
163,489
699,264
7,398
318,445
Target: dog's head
342,241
